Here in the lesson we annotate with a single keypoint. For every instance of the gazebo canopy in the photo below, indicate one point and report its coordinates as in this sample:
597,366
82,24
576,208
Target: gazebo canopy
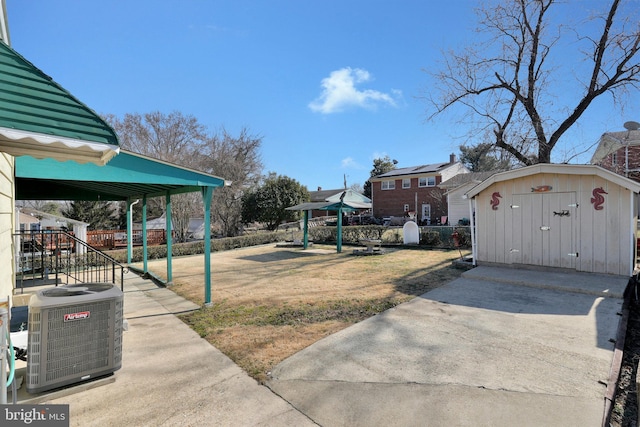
348,200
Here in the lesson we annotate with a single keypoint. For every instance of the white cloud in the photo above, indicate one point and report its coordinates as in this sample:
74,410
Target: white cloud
339,92
349,163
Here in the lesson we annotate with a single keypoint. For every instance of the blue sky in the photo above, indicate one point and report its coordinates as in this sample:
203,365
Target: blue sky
329,85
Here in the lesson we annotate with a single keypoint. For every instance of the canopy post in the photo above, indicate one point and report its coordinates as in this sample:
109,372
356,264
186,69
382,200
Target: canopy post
144,235
306,230
207,193
169,236
339,234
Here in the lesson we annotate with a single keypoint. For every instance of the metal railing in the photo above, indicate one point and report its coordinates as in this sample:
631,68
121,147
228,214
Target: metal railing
53,257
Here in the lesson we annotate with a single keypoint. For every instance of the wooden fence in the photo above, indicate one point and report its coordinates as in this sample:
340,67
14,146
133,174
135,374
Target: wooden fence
117,239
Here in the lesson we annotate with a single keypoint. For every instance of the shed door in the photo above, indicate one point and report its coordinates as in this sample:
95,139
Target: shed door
544,229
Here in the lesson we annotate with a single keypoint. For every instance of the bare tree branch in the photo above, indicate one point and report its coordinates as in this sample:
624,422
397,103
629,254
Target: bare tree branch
505,79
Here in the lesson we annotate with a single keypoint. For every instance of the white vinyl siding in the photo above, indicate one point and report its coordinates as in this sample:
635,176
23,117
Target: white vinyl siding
6,225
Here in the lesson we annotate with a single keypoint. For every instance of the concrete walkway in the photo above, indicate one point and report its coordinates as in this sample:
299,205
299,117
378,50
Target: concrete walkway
497,347
172,377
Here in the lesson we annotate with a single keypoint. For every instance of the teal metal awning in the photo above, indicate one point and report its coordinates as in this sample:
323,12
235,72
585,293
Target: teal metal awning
41,119
126,176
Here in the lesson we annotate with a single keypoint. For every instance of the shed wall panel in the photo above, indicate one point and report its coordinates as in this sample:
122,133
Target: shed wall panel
583,238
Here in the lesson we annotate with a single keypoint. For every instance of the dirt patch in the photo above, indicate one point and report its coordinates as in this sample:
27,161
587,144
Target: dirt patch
625,405
269,302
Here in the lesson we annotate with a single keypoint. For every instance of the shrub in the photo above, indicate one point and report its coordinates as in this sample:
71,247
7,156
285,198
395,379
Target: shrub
430,237
197,247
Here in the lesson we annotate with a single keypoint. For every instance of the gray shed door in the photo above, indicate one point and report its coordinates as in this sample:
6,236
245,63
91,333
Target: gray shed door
544,229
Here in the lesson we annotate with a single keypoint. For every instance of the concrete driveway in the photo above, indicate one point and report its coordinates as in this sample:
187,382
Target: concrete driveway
497,347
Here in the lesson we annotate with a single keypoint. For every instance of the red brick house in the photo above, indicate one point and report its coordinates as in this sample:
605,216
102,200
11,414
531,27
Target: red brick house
619,152
414,191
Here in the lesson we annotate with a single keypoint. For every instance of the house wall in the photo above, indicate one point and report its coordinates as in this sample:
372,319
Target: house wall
391,202
7,223
616,160
458,205
591,240
453,170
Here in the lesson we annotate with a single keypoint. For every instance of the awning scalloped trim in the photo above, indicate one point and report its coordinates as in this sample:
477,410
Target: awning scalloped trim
20,143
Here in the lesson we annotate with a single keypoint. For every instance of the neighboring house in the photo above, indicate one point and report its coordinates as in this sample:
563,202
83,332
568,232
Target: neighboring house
455,188
159,223
333,196
578,217
32,219
619,152
414,191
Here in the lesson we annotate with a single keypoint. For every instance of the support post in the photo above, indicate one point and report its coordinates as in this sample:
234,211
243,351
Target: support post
169,235
144,234
339,233
306,230
207,194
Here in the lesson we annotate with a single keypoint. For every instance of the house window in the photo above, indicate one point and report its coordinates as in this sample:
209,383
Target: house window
388,185
406,207
614,159
427,181
406,183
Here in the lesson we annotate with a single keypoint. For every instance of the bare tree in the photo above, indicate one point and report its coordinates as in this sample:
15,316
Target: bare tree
174,138
236,159
507,81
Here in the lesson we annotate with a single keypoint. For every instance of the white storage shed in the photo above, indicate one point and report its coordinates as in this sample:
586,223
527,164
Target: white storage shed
578,217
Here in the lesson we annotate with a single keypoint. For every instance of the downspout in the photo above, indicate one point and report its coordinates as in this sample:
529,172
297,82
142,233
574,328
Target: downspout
472,222
130,230
634,226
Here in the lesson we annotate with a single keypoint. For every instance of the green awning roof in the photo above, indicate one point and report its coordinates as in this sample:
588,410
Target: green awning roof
126,176
41,119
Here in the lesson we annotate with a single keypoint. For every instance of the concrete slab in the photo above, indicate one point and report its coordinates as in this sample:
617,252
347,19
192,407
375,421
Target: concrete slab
587,283
171,376
473,352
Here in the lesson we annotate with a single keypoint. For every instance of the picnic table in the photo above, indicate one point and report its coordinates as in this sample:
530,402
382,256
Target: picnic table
371,244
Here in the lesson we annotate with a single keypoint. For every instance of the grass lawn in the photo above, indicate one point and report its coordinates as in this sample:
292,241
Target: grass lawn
270,302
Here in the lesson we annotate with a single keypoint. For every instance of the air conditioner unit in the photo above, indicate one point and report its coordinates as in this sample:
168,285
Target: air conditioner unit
75,334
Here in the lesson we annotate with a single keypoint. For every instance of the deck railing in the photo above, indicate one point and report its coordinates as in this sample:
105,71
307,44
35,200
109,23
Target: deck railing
56,257
117,239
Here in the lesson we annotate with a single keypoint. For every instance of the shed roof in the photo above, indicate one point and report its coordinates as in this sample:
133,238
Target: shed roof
557,169
128,175
39,118
322,195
